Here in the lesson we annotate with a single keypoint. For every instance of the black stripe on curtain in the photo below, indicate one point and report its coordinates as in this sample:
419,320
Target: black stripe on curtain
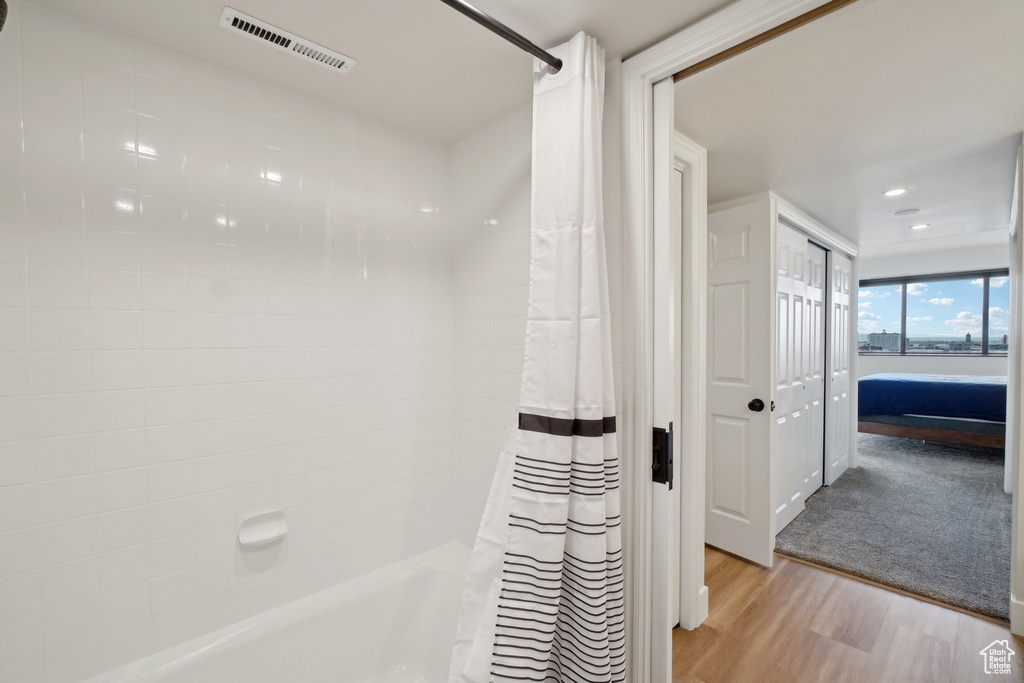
564,426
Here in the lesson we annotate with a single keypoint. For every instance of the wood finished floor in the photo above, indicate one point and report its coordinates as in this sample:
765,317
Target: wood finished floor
796,623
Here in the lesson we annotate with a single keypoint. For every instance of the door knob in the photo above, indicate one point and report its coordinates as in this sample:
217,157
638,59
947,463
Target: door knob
757,405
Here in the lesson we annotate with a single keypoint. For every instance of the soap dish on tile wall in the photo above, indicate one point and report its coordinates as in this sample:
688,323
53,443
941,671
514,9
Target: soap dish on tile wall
263,529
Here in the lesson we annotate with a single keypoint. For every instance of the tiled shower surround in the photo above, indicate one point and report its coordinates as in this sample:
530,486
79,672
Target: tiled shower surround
219,299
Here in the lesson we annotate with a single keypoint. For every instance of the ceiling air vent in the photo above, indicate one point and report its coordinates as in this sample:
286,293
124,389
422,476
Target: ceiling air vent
239,22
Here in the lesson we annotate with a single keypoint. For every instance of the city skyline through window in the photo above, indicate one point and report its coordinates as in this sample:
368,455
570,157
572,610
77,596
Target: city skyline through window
942,316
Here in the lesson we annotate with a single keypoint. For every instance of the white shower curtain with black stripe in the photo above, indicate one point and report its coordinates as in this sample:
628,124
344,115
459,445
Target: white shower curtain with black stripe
544,595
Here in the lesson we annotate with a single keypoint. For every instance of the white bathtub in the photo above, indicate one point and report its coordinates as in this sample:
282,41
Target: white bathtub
396,625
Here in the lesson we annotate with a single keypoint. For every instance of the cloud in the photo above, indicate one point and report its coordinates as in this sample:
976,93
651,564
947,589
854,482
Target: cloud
864,304
998,322
945,301
865,294
917,288
867,322
998,282
965,322
919,319
980,282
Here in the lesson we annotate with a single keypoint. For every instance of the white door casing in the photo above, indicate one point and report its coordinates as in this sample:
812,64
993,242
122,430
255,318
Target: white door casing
740,350
690,160
839,414
679,248
1015,403
664,566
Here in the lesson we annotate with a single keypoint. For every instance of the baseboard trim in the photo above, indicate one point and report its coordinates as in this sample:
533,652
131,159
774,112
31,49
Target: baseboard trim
1016,616
700,611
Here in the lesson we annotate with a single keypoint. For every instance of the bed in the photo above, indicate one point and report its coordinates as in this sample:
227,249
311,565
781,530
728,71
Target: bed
959,409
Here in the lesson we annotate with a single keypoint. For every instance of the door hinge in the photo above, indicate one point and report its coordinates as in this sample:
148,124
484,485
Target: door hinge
661,467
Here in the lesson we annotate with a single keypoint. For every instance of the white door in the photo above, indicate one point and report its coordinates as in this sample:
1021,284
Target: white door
739,516
814,379
799,417
792,335
839,408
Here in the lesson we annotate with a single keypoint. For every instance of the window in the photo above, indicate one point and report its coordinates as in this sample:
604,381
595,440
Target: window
957,314
945,316
998,313
879,311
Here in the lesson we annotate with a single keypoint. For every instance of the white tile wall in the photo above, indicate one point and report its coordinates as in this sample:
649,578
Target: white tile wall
216,299
491,204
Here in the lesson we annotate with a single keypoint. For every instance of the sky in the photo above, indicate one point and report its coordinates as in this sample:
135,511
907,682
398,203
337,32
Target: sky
936,309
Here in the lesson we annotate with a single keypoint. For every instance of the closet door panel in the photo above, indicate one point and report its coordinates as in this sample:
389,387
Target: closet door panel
791,423
839,401
814,379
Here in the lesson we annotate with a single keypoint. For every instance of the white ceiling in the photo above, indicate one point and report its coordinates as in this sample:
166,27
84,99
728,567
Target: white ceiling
421,65
922,94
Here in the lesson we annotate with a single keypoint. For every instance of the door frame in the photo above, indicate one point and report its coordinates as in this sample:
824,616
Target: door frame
716,33
1015,404
679,245
831,242
691,265
727,28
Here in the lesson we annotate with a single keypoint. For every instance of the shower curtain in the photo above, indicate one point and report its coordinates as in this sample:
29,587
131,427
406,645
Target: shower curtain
544,594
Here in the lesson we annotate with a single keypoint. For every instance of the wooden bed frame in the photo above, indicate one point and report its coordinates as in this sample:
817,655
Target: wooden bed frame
933,434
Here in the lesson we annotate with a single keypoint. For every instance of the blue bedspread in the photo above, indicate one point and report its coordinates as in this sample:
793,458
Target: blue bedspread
963,396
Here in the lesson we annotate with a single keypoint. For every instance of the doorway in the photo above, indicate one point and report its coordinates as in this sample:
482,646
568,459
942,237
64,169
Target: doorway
778,291
642,76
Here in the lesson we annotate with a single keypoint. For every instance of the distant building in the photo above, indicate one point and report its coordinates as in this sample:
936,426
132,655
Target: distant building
884,341
1004,340
967,340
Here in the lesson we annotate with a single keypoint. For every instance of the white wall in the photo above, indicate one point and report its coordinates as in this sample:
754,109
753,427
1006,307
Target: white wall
491,198
988,257
216,299
491,203
935,365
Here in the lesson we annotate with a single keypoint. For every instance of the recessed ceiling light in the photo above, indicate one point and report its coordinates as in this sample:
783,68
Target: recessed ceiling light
919,226
895,192
907,212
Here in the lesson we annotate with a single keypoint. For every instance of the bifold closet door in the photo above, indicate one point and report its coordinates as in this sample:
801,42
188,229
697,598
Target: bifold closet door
789,419
799,417
815,372
839,413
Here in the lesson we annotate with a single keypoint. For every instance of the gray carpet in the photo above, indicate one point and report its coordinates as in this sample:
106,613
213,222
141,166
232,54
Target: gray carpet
929,519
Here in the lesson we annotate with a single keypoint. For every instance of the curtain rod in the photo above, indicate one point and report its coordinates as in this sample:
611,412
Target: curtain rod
505,32
764,37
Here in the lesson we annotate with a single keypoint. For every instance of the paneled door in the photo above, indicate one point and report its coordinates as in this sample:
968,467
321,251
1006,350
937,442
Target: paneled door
799,417
840,409
739,351
815,371
789,419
